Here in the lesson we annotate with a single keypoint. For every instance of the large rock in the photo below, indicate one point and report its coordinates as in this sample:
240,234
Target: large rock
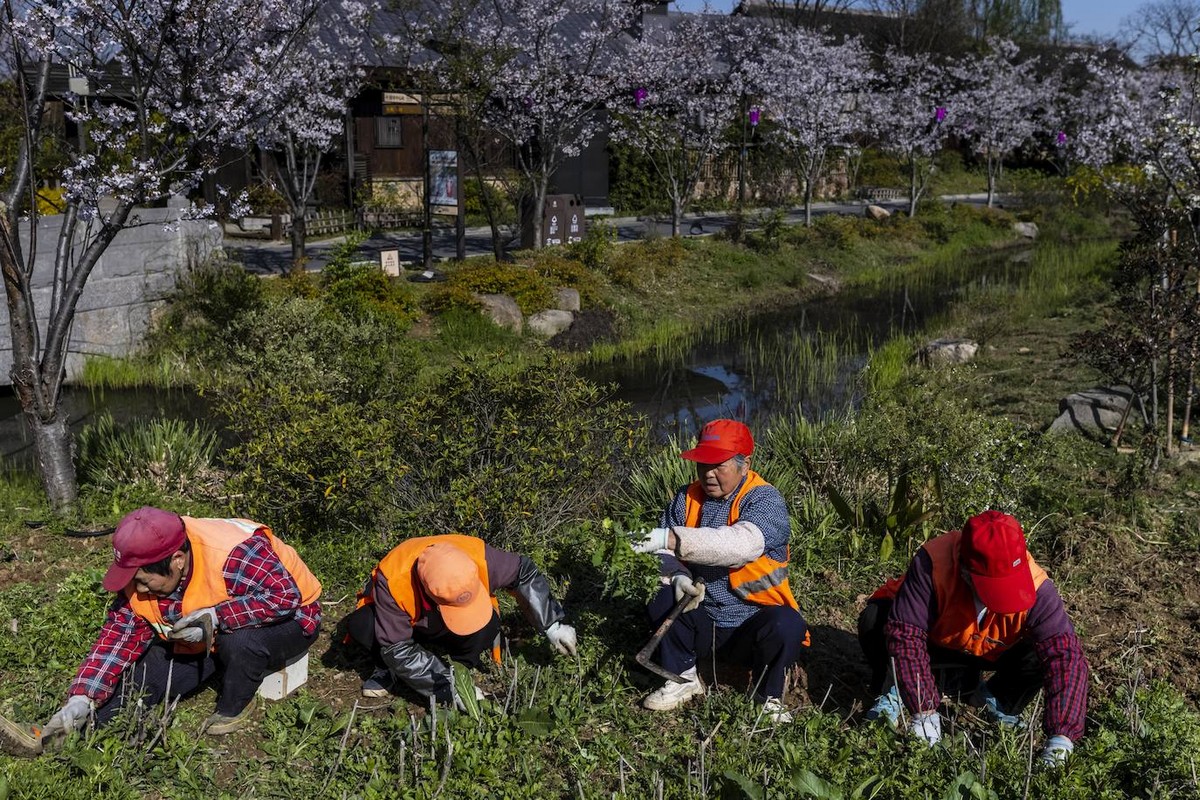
502,310
1095,412
1028,230
566,298
942,352
877,212
550,322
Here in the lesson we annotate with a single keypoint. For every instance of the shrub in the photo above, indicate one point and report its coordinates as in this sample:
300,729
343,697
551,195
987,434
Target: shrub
303,343
596,247
511,453
531,290
207,302
567,271
309,460
363,291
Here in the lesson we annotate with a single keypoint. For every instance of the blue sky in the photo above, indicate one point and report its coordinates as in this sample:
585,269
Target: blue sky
1084,16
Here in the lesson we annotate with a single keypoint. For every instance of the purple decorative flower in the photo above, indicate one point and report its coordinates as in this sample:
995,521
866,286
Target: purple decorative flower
1061,138
755,111
639,96
939,114
527,102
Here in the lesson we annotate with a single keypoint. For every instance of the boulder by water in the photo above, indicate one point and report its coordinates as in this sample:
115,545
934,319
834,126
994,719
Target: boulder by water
1094,412
502,310
550,322
943,352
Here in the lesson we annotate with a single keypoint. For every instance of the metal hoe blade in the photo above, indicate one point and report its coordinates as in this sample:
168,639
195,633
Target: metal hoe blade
643,656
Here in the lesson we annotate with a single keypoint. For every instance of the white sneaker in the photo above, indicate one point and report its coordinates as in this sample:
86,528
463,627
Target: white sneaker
775,711
672,695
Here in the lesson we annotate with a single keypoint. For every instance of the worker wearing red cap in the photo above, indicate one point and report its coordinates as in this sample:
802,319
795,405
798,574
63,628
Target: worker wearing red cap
723,541
436,593
194,597
975,601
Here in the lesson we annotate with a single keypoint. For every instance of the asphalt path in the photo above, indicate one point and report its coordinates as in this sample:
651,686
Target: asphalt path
267,258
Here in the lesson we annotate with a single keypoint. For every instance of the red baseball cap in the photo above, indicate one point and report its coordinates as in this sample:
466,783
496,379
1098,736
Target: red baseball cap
721,440
451,579
142,537
994,552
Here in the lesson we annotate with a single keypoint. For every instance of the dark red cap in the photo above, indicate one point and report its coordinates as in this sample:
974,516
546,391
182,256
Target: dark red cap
994,552
721,440
142,537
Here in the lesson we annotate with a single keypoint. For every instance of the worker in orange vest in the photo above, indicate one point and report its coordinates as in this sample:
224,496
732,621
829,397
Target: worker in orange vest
975,601
195,597
437,593
723,542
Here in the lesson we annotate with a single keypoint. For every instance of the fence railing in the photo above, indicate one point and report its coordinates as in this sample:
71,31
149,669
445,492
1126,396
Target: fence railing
881,193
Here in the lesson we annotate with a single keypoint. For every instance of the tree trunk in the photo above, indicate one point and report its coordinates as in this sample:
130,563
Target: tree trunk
55,456
913,192
808,202
298,236
991,186
676,214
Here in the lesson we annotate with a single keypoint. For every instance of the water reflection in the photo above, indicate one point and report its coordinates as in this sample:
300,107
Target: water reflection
799,362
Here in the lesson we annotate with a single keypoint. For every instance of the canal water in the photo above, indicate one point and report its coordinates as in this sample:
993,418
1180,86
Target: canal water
798,362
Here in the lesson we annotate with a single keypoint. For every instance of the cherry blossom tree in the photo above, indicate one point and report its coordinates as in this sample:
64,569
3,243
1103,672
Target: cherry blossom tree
917,110
559,67
323,73
689,81
999,104
812,93
169,83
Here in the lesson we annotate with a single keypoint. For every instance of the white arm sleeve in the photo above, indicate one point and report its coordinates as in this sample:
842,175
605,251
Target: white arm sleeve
727,546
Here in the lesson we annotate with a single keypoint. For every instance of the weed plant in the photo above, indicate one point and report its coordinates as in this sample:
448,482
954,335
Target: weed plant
163,456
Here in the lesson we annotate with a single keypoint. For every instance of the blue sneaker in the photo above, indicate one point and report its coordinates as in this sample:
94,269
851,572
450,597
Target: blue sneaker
992,710
378,685
887,707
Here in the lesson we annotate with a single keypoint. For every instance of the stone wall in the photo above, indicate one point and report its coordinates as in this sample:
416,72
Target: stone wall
135,273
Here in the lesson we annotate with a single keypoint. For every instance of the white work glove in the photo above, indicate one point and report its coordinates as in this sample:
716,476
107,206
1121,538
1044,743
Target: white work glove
69,718
927,727
190,627
684,586
1057,748
651,541
562,638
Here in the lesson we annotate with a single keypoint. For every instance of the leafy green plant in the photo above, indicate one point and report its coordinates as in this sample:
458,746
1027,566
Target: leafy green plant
626,574
166,455
902,517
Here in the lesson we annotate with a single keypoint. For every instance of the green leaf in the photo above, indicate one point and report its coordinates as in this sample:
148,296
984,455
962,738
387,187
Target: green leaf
735,786
535,722
886,546
810,785
464,687
852,518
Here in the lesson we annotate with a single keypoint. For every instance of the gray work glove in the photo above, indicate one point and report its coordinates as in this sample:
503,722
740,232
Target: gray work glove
1057,748
562,638
927,727
650,541
684,586
196,627
71,717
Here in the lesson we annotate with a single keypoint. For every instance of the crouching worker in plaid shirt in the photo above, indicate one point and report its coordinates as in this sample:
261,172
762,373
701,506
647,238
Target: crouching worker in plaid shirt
975,601
194,597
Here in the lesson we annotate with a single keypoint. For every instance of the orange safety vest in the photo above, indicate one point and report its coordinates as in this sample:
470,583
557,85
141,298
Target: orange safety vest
399,565
957,625
212,540
764,580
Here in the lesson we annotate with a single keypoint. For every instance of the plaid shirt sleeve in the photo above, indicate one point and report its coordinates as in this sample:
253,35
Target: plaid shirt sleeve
909,649
262,590
122,641
1065,682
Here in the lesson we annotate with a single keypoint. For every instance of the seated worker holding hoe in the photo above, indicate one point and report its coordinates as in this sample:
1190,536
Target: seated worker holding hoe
195,597
436,593
723,542
975,601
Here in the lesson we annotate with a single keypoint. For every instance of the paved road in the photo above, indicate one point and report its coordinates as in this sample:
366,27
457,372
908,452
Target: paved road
267,258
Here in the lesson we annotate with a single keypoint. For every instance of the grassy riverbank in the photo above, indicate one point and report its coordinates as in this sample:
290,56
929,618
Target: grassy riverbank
339,452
